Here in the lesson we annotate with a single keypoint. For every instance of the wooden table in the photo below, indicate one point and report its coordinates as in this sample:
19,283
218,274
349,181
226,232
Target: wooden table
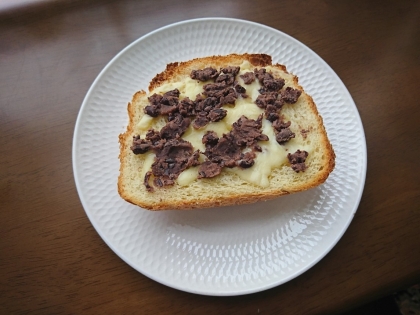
52,261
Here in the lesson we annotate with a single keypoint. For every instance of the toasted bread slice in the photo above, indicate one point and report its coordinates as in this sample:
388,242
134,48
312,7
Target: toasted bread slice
271,175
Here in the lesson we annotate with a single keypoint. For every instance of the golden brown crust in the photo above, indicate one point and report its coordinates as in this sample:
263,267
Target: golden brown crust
176,68
124,148
209,203
160,202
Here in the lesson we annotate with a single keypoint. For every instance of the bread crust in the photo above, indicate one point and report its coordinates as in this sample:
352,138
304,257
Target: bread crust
166,198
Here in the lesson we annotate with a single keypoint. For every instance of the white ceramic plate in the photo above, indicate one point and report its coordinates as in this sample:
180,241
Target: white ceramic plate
223,251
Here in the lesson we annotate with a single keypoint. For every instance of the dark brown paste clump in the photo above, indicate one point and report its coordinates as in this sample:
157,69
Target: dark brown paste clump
272,99
282,131
267,81
175,156
227,151
297,160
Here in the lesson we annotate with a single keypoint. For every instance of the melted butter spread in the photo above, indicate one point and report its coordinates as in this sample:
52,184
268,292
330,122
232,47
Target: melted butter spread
187,88
188,176
196,136
145,123
251,89
273,155
243,106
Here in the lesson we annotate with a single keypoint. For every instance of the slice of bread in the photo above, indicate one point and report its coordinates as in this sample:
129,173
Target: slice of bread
272,175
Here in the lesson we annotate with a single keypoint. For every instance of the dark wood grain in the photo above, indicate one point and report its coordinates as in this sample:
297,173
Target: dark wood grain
52,261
